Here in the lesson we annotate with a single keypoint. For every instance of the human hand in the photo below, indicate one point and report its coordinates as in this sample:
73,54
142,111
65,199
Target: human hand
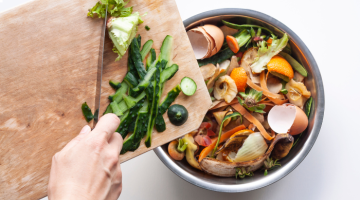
88,166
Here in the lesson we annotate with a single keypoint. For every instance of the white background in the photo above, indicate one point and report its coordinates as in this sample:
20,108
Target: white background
331,31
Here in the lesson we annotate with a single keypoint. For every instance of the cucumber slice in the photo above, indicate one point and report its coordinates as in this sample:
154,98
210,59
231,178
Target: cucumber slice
146,48
188,86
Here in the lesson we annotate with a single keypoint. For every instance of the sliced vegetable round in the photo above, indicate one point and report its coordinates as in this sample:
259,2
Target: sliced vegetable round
188,86
177,114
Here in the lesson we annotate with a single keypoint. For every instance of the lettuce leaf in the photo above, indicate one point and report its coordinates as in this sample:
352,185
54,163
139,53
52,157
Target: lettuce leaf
121,31
265,53
115,8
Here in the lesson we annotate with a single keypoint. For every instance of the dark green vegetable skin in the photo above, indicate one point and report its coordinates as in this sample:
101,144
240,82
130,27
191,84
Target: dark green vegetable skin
170,98
177,114
87,112
154,101
123,128
136,58
115,84
217,58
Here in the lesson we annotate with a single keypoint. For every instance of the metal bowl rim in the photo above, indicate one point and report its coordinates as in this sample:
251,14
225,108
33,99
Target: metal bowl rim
318,118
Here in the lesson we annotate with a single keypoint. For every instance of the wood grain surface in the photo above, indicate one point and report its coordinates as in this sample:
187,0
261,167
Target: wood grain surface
48,67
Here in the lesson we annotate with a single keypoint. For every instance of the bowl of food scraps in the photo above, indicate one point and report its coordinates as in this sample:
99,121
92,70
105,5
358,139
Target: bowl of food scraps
267,103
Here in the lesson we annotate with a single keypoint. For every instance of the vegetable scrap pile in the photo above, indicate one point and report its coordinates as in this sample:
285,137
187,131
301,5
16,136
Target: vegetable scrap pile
260,101
137,98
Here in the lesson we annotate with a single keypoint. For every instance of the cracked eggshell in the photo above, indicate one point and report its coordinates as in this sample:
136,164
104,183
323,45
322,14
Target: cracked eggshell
216,33
287,118
199,43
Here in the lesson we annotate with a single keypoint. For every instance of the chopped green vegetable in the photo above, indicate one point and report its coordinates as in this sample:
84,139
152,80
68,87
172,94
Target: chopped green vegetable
115,84
168,73
116,109
308,106
188,86
154,105
295,64
265,53
235,114
151,58
170,98
133,141
166,50
284,91
147,27
217,58
242,37
136,58
131,101
146,48
243,26
182,144
108,110
131,80
128,118
122,30
146,81
115,8
120,92
87,112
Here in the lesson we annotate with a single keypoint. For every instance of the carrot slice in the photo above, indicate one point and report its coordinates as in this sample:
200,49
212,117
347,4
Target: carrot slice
253,120
265,92
263,85
223,137
233,44
269,41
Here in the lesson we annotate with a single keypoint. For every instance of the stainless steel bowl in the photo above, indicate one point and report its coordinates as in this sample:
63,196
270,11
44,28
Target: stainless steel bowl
307,140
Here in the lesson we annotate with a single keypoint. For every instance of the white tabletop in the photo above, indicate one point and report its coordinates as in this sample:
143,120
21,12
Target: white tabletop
331,31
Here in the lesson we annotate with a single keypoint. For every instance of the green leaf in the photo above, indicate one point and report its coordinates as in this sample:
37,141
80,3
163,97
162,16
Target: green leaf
235,114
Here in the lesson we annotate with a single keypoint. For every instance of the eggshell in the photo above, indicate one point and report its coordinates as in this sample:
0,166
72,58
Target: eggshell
216,33
211,42
199,43
287,118
300,123
228,31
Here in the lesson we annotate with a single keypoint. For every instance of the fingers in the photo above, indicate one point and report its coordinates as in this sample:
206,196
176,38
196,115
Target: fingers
107,125
116,143
116,185
85,130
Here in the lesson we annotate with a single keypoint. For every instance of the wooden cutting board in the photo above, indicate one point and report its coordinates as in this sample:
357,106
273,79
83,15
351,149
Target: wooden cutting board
48,66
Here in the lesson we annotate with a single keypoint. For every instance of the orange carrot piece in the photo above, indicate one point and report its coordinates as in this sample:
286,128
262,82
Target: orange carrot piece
263,84
233,44
223,137
269,41
223,104
253,120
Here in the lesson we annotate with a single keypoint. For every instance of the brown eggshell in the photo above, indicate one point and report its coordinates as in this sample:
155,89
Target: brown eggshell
216,33
300,123
213,49
199,43
211,42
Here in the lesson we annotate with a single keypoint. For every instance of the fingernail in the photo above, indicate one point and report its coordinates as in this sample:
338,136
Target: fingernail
85,129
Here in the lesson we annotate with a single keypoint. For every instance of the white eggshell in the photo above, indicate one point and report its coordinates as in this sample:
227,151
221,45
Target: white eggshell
281,118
